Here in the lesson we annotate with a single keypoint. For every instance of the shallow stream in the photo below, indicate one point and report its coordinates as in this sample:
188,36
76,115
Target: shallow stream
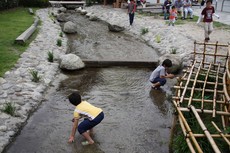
137,118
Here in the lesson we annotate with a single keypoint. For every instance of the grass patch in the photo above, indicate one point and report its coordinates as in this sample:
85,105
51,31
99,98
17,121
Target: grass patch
50,57
158,38
35,76
59,42
13,22
144,31
9,108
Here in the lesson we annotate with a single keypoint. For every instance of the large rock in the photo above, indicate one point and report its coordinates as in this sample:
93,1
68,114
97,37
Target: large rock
176,62
62,9
62,17
93,17
70,27
83,12
71,62
115,28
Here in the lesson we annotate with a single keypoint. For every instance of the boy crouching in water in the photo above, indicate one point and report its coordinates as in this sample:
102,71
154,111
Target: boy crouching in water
92,117
159,75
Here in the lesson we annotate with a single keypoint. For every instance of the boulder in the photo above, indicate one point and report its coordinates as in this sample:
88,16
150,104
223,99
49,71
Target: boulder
115,28
78,9
70,27
70,62
62,9
93,17
176,62
83,12
62,17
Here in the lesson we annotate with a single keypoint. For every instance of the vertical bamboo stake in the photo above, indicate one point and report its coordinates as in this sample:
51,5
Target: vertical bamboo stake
215,91
221,133
194,56
194,84
222,117
204,52
215,52
203,91
186,85
206,132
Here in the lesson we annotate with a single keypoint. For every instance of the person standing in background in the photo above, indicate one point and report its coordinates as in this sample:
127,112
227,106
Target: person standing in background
131,11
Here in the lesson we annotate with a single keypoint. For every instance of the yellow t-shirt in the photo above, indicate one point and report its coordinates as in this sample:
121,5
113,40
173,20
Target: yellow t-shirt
85,109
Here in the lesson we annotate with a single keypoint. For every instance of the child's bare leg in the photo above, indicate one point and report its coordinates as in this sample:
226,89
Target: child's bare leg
88,138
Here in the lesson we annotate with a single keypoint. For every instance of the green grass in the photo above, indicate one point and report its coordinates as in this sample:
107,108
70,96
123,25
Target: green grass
9,108
13,22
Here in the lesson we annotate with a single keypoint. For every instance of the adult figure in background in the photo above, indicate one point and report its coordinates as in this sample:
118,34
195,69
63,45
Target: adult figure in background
166,8
188,9
179,5
131,11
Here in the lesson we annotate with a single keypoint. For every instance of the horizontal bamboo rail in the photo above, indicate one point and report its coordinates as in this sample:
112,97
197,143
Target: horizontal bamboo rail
198,89
212,135
199,100
211,44
183,109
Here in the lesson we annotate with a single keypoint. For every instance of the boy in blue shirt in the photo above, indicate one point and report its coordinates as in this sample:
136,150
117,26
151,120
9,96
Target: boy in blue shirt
159,75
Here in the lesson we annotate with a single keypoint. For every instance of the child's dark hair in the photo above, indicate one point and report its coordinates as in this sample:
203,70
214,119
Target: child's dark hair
74,98
209,1
167,63
173,7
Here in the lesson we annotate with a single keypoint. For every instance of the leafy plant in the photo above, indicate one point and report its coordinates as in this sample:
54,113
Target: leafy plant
173,51
158,38
9,108
59,42
50,57
61,34
35,76
144,31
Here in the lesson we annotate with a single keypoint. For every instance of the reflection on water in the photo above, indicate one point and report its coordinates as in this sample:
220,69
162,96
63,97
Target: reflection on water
135,121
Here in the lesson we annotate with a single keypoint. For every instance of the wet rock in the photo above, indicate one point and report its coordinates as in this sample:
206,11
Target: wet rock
2,80
70,27
62,10
115,28
78,10
71,62
83,12
3,128
62,17
93,18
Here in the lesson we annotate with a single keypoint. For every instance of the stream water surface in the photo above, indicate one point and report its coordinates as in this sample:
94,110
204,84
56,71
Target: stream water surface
137,118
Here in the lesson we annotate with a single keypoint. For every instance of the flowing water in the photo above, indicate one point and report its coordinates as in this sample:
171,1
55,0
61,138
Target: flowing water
137,118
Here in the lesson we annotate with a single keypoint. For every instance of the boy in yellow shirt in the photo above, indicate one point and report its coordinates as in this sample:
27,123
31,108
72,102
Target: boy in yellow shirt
92,116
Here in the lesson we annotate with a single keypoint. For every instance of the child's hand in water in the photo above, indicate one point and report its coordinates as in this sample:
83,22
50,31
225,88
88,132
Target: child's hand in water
71,139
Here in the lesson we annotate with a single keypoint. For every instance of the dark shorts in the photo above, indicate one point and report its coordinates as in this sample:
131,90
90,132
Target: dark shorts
86,124
158,79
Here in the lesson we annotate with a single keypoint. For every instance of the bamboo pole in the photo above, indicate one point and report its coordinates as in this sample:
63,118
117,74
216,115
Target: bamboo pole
198,89
189,143
194,56
183,109
225,88
211,71
207,63
215,92
212,44
193,86
199,100
212,135
204,85
188,129
222,117
204,53
185,88
206,132
221,133
199,81
215,52
211,54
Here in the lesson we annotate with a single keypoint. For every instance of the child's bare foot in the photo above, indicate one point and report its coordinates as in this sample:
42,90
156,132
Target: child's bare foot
85,143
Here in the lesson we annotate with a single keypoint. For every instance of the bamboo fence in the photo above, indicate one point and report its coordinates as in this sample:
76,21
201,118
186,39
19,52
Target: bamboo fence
203,90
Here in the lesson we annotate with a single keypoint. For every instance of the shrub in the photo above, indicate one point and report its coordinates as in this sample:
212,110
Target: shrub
158,38
173,51
35,76
144,31
59,42
9,108
61,34
50,57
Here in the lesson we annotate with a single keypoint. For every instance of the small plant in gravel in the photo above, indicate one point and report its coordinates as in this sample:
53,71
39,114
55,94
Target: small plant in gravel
61,34
144,31
158,38
50,57
59,42
173,51
35,76
9,108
